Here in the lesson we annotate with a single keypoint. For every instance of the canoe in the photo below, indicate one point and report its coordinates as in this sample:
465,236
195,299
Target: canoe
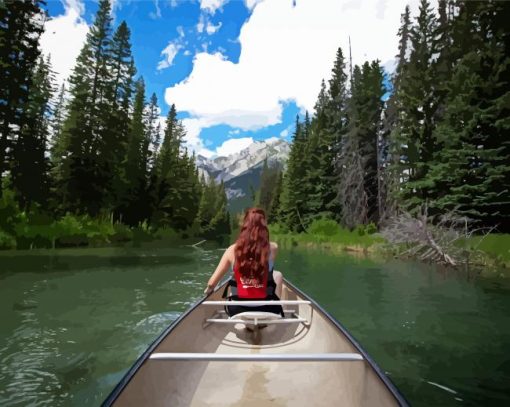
205,358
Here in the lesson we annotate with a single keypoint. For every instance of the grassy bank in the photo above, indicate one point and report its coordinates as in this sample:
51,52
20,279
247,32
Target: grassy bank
344,240
327,234
39,231
493,249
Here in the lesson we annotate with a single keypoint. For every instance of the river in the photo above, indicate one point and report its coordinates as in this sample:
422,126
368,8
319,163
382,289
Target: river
73,321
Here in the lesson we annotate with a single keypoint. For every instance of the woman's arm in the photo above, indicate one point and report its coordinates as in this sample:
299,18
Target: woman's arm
274,249
220,271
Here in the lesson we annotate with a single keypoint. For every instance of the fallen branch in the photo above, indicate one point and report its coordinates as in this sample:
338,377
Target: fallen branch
196,244
431,238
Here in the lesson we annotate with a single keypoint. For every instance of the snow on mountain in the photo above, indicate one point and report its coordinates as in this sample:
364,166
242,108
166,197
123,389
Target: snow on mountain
241,171
226,168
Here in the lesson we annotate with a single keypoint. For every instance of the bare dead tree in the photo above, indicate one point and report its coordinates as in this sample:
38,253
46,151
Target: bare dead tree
353,197
432,238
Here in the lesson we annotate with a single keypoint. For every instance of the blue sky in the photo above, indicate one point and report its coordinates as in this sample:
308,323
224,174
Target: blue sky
237,70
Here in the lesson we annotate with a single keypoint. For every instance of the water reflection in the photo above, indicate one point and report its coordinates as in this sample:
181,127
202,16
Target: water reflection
74,321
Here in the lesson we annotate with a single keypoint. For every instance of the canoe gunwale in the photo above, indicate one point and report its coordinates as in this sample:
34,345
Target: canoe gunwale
382,376
112,397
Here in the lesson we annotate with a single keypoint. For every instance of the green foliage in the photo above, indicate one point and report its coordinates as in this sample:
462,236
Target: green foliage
30,165
167,234
324,226
7,241
343,237
9,212
278,229
471,171
496,245
20,29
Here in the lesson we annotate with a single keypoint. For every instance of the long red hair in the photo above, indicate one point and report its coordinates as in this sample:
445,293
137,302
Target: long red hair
252,245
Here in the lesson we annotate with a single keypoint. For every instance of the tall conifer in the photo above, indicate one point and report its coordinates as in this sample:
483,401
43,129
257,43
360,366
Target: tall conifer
30,165
21,24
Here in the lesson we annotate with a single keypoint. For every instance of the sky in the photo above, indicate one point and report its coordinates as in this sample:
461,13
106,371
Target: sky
237,70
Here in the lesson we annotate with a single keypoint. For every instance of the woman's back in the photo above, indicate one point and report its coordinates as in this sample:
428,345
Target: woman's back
251,259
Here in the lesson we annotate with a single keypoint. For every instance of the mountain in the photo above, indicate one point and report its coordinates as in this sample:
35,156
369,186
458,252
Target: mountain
241,171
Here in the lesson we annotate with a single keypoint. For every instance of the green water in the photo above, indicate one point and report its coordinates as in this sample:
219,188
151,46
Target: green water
73,321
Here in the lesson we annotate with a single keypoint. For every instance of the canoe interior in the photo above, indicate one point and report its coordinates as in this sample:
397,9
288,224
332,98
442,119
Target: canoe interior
220,383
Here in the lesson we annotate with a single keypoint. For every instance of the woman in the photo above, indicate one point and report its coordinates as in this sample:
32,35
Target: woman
252,258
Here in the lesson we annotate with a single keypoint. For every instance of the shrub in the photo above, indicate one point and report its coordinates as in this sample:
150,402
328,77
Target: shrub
371,228
7,241
324,227
69,231
166,233
9,212
122,233
277,229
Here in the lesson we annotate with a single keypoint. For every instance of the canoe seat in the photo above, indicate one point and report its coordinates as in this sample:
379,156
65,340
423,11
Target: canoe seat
256,317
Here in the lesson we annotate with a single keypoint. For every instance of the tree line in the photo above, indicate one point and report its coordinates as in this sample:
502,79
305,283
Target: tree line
94,147
442,138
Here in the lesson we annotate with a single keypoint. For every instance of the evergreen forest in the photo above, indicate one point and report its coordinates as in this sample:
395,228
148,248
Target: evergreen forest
434,135
91,161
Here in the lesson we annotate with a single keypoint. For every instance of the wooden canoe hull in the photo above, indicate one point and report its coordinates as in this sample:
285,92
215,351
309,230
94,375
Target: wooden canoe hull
255,383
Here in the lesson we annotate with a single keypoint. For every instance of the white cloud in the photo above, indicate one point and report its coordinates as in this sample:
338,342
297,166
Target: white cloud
201,23
233,145
211,5
276,66
169,53
64,37
157,14
250,4
192,139
285,132
211,28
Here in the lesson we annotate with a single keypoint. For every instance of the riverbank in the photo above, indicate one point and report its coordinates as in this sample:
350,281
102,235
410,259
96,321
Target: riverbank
39,231
492,251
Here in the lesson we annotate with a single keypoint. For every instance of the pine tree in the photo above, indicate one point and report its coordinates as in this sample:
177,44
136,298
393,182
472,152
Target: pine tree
268,181
172,175
30,166
393,145
419,101
21,24
220,222
207,206
85,173
188,210
321,177
293,195
118,94
359,159
58,144
153,130
471,169
58,148
336,120
133,208
274,211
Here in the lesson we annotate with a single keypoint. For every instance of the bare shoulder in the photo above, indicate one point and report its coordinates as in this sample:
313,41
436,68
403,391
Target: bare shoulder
231,250
274,245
